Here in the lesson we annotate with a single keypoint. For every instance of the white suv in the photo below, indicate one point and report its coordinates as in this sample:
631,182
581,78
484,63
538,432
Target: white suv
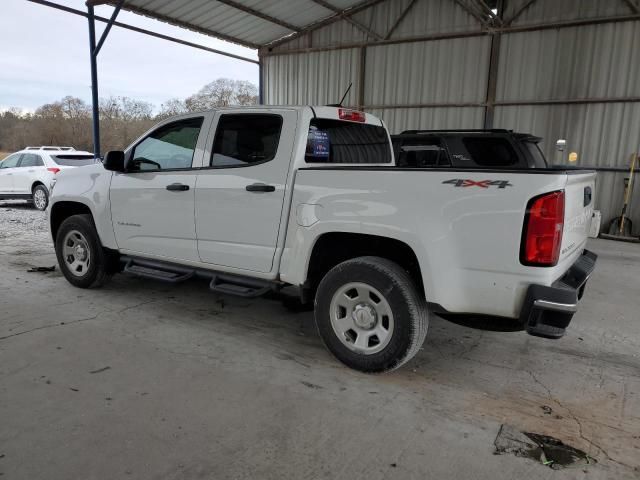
27,174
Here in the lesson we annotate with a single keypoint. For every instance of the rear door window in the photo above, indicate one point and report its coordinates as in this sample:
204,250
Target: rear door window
73,160
491,151
31,160
335,141
246,139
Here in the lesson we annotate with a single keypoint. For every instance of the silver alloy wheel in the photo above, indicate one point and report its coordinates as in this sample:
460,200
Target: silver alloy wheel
361,318
40,199
76,253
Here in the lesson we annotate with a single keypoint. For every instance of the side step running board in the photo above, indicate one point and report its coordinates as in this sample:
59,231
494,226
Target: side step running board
158,273
220,282
240,286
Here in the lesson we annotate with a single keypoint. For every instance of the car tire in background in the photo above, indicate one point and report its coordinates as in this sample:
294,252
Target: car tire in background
370,314
81,258
40,197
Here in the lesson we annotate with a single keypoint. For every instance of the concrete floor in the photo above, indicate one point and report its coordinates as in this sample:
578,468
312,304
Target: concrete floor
143,380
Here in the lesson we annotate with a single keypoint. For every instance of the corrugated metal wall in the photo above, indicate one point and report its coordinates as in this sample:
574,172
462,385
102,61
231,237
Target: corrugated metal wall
443,83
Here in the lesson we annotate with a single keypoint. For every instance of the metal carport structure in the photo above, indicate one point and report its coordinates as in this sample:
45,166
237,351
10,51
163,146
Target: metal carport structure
252,24
551,67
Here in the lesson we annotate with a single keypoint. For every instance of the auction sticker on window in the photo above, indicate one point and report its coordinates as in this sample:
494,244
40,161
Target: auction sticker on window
319,144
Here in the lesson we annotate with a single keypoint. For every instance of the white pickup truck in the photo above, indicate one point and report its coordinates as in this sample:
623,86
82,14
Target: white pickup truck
258,199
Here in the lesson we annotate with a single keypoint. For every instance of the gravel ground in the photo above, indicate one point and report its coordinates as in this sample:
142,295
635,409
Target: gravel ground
23,227
151,381
20,219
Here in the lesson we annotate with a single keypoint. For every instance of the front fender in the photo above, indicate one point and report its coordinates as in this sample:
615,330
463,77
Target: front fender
88,186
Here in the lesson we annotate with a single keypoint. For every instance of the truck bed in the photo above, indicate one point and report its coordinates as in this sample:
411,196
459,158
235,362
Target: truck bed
465,226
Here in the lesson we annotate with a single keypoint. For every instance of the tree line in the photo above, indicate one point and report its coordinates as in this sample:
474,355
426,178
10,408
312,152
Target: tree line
122,119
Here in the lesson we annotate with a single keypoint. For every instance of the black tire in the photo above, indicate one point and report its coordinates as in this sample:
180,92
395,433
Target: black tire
410,314
98,270
42,191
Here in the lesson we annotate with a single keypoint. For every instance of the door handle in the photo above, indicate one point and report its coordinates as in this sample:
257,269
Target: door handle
178,187
260,187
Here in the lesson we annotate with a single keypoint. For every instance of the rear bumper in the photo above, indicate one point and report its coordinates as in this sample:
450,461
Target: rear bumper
547,311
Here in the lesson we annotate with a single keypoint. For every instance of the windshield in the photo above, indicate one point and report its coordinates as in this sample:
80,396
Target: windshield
73,160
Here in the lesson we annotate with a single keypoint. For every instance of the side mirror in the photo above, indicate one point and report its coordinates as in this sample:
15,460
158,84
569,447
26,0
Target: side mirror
114,161
561,144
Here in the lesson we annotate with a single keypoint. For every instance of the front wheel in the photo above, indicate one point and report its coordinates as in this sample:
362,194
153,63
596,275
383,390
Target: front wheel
370,315
81,257
40,197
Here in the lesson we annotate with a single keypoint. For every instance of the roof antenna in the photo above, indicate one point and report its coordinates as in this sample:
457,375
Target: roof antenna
343,97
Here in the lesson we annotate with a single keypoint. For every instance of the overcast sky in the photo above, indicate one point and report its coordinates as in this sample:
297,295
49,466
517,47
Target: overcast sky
44,55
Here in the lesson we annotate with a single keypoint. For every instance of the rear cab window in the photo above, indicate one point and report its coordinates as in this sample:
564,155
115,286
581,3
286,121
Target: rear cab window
73,160
339,141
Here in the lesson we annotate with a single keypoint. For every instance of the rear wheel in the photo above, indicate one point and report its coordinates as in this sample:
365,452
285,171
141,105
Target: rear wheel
81,257
40,197
370,315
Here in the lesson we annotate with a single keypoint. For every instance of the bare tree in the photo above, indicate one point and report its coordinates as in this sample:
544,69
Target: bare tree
222,92
173,106
123,119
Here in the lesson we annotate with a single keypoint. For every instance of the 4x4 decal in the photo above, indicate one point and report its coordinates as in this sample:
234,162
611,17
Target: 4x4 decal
464,182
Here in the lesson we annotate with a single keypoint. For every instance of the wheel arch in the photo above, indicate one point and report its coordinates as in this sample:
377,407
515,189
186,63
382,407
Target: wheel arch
330,249
60,211
36,183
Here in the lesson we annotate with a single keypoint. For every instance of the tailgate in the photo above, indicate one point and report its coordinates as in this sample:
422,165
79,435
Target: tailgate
578,209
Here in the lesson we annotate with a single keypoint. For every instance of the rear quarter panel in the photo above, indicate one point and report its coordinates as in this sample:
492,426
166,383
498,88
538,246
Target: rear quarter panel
465,227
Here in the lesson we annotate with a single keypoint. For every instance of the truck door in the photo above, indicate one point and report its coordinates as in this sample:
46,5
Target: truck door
241,189
152,203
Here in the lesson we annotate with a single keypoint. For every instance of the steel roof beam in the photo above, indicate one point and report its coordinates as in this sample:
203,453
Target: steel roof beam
126,26
400,19
633,5
468,34
471,11
348,18
107,29
487,10
347,12
177,23
258,14
519,12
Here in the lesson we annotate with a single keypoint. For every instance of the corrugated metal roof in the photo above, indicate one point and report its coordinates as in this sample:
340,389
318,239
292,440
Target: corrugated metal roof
252,23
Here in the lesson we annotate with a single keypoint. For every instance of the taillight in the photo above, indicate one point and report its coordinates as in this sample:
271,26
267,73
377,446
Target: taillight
352,115
54,170
543,225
